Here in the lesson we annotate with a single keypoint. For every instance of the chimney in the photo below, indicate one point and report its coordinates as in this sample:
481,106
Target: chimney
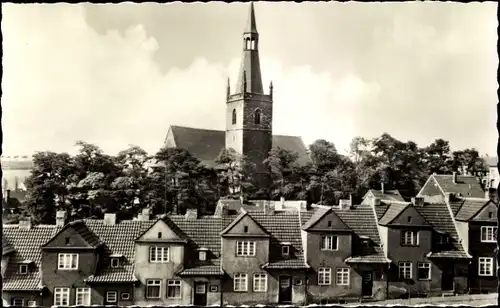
344,204
191,214
144,216
382,188
417,201
268,207
282,201
375,201
25,224
242,200
487,194
447,197
110,219
454,178
61,217
7,195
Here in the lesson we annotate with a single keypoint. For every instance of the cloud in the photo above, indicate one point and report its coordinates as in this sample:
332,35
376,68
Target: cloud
64,82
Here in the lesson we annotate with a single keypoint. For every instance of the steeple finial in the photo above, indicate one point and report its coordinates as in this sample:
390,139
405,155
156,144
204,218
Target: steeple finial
251,24
271,89
228,89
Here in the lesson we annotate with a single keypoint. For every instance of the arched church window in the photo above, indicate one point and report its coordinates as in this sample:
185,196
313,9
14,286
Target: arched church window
247,43
252,46
256,116
234,116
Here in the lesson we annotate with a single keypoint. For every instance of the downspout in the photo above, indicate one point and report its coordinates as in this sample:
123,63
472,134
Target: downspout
387,281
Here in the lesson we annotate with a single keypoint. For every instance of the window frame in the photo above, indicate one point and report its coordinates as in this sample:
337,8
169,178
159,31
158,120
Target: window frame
25,267
165,254
261,277
405,264
484,234
324,272
415,238
233,117
149,283
285,250
108,293
342,271
83,292
117,260
32,304
324,247
486,261
13,302
172,283
63,292
122,297
250,248
202,253
240,277
424,265
61,266
257,116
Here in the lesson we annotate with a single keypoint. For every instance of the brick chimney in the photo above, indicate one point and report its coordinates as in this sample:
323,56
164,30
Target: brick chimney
191,214
375,201
61,218
417,201
110,219
25,223
454,178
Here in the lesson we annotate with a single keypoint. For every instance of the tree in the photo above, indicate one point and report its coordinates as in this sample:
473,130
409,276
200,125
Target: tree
437,157
468,161
233,171
285,173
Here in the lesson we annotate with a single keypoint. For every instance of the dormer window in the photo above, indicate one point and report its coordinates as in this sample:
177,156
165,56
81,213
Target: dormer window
285,250
23,269
115,262
203,255
366,244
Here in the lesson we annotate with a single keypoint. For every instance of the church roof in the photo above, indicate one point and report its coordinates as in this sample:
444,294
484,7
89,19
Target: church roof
206,144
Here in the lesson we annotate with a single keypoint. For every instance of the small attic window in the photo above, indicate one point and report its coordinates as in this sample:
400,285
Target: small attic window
66,240
159,234
285,250
409,219
366,244
202,255
245,229
490,215
329,223
23,269
115,262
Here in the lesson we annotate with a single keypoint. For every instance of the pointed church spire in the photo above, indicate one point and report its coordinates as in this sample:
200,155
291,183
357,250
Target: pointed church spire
250,63
228,89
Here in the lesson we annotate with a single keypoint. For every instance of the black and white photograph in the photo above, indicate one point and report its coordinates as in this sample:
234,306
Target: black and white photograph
265,153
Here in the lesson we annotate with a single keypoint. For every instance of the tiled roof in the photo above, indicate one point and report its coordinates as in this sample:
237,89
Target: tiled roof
469,208
387,195
118,239
27,244
316,216
392,212
6,246
467,186
206,144
212,269
377,257
381,209
455,205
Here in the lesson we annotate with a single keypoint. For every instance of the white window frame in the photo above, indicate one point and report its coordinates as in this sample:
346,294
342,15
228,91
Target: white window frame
125,298
111,294
159,254
25,267
285,250
240,282
202,255
260,282
17,299
425,265
405,266
486,236
153,283
245,248
174,283
65,261
116,262
485,261
82,292
63,293
410,238
343,276
324,276
32,304
327,242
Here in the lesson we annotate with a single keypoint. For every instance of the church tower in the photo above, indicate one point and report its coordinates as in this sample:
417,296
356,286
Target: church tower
249,112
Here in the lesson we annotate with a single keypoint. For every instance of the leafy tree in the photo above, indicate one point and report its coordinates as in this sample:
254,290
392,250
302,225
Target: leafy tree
437,157
233,172
285,173
468,161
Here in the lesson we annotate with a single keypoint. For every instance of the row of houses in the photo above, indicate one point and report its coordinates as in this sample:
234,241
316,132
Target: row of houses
262,252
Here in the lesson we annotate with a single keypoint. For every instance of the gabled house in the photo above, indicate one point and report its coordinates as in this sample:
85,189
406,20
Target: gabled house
342,247
460,185
476,221
21,263
426,251
382,194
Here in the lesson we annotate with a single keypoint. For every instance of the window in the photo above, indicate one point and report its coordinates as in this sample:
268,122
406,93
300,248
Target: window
424,271
260,282
32,304
61,296
409,238
158,254
17,302
153,288
245,229
23,269
245,249
285,250
68,261
173,289
342,276
298,282
329,242
125,296
409,219
201,288
256,117
490,215
82,296
159,234
240,282
115,262
214,288
203,255
234,116
485,267
329,223
111,297
66,240
324,276
405,270
488,234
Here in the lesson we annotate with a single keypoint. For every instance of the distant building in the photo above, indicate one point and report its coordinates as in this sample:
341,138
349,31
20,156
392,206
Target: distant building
15,171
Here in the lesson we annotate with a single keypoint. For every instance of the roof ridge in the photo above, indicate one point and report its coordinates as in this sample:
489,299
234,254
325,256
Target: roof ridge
197,128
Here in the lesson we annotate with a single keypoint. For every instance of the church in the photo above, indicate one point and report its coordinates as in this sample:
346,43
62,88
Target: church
248,116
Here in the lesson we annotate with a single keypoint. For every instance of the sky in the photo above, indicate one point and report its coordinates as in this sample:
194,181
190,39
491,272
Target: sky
119,75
